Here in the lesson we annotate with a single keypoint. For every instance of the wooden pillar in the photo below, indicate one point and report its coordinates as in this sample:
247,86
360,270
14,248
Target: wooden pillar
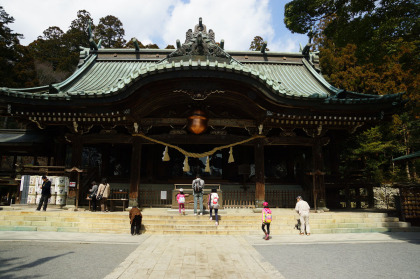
76,161
135,172
259,173
318,166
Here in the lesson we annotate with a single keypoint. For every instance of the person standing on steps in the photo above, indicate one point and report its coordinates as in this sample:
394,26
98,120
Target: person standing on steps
302,208
213,203
180,198
198,187
45,193
94,192
135,220
104,192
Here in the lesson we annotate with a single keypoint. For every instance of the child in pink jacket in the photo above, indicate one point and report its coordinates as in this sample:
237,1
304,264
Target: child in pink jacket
266,220
180,198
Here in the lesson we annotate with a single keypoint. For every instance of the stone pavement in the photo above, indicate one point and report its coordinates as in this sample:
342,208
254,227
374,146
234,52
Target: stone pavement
202,256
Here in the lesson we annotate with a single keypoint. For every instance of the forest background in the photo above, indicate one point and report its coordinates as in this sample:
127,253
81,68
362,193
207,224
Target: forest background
364,46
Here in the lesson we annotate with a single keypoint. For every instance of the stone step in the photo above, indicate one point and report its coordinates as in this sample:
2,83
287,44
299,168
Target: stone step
17,228
118,222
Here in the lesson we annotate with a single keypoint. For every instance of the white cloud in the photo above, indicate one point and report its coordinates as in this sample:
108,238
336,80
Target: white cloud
235,21
161,22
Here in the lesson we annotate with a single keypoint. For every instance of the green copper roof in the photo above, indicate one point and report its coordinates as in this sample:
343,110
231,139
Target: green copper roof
104,76
109,76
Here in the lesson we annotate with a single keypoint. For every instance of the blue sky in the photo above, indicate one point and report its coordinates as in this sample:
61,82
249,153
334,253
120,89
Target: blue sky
164,21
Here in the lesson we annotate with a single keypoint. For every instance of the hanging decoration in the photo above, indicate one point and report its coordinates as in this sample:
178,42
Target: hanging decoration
197,155
231,160
166,155
186,166
207,169
197,122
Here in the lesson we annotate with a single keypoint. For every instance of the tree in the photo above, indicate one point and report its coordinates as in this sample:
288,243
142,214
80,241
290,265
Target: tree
257,44
376,27
110,30
78,33
369,47
407,133
50,48
57,53
130,43
152,46
17,67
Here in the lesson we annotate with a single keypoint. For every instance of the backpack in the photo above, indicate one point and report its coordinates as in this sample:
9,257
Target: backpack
198,185
181,199
214,203
267,216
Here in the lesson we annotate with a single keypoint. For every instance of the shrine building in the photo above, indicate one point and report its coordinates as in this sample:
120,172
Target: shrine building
262,125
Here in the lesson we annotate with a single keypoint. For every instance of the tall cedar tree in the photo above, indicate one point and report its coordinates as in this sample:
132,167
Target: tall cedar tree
17,67
110,30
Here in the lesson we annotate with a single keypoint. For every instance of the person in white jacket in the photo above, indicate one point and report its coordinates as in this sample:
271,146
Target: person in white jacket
302,207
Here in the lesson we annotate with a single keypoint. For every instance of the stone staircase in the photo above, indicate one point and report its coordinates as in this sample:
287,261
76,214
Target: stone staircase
231,222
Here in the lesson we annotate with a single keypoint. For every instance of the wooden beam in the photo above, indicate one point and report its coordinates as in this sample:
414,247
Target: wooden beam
237,123
295,141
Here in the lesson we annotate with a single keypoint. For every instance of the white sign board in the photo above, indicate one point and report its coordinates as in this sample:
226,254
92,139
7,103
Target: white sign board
163,195
72,184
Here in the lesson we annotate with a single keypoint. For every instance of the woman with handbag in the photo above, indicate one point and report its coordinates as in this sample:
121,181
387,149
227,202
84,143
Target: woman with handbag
104,192
92,196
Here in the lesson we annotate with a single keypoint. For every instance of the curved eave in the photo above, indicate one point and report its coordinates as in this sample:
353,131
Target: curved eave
333,90
79,72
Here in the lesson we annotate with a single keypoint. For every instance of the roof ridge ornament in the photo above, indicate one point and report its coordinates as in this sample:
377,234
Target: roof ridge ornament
201,43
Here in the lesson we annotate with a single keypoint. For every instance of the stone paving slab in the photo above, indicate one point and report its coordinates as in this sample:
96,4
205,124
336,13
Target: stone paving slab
336,238
202,256
176,256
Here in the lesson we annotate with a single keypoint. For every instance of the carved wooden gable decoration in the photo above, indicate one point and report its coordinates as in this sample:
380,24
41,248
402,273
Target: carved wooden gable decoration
200,43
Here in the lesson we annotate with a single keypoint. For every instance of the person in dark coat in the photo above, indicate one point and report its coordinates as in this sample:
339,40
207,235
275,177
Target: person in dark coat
94,192
135,220
45,193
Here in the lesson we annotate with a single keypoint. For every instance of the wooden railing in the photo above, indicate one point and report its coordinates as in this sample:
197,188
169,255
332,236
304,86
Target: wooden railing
282,199
153,198
275,198
231,199
234,199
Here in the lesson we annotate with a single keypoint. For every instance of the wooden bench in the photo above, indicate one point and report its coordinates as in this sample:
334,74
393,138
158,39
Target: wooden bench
111,201
116,196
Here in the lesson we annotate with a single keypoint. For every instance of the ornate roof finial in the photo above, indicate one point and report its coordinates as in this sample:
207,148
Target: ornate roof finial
200,27
201,43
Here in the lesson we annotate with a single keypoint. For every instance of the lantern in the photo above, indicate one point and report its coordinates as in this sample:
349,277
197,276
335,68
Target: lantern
197,122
